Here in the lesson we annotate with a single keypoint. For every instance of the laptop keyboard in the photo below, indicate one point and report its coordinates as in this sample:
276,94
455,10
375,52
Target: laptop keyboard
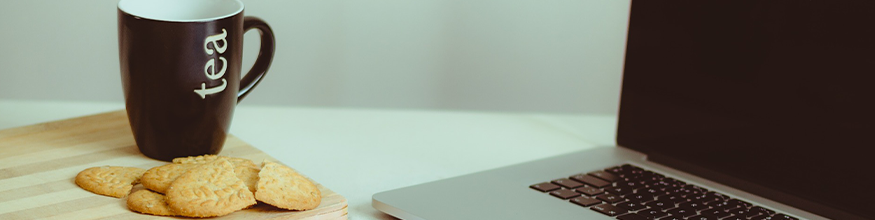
628,192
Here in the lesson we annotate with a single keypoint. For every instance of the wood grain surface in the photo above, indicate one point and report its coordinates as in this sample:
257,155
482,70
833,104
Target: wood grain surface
39,162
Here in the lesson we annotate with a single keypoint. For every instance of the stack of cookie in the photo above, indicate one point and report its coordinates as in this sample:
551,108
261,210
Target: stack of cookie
203,186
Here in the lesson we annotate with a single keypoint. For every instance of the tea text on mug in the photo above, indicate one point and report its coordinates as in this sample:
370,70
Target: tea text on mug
210,67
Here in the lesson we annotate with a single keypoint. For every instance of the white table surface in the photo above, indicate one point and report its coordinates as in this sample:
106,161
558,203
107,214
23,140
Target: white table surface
359,152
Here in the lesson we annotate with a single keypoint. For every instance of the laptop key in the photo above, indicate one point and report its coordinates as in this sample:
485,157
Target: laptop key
763,210
707,199
649,179
674,199
545,187
610,198
660,205
636,172
682,212
590,180
631,206
754,214
674,191
605,176
723,206
619,190
590,191
629,182
652,213
585,201
609,210
742,203
565,194
652,191
689,193
567,183
695,205
639,197
668,190
762,217
632,178
715,211
662,184
740,211
703,217
631,216
783,217
671,217
734,217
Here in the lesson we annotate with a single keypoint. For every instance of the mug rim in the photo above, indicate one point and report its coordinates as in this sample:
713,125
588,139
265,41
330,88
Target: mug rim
122,4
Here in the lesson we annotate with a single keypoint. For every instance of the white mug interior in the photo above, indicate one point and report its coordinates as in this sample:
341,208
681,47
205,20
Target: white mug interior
181,10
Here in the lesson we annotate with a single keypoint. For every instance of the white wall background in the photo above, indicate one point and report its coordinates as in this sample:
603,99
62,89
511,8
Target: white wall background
561,56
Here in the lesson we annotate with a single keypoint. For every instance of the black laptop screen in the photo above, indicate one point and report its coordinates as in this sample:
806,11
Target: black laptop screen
776,95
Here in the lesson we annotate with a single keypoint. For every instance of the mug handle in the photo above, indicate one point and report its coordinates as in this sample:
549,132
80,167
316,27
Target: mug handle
265,55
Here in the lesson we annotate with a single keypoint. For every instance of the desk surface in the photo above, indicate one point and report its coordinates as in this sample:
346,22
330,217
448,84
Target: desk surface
371,150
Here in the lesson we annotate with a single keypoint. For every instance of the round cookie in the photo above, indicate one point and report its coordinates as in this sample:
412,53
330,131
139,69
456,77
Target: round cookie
148,202
158,178
109,180
209,190
282,187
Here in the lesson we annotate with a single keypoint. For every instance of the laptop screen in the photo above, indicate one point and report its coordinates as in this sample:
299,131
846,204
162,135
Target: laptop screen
773,97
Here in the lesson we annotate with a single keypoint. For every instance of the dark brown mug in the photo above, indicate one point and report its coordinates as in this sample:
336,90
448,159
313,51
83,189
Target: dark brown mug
180,69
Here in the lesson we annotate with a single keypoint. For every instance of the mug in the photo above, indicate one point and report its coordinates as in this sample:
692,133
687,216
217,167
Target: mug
180,69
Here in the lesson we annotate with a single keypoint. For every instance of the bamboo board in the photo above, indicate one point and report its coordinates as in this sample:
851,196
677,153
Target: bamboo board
39,162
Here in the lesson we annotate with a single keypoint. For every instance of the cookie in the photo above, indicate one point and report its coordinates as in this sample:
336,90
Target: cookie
109,180
148,202
249,176
209,190
158,178
207,158
244,168
282,187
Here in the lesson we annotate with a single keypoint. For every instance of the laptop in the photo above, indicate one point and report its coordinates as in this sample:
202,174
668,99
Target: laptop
728,110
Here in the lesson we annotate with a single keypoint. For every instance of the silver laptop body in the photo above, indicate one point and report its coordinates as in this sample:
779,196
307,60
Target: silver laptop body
504,193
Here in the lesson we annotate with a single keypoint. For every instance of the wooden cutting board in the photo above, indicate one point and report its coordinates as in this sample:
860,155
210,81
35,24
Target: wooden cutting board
39,162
